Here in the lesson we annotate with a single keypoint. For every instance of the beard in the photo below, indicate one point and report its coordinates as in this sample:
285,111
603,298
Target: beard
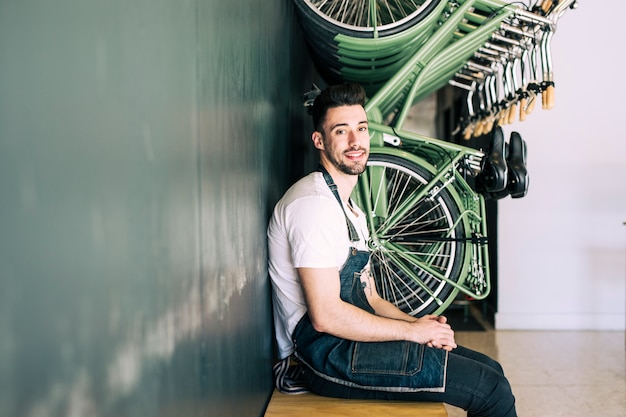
355,168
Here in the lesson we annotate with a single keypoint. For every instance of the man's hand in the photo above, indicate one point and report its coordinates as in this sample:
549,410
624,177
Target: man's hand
434,332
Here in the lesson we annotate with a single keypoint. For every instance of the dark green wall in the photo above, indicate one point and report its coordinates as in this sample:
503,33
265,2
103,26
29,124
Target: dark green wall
142,146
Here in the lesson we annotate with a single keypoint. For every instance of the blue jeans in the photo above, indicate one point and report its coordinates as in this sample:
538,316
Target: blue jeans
474,382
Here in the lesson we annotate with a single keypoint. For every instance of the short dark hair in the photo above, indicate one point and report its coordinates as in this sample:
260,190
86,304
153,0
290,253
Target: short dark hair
346,94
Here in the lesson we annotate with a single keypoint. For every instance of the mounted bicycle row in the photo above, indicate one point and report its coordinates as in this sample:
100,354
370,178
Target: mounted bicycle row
424,198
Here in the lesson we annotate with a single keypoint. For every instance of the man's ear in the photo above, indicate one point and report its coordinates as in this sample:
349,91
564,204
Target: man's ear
318,140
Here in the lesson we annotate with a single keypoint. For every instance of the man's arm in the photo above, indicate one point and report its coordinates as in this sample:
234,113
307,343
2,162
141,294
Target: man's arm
329,314
384,308
380,305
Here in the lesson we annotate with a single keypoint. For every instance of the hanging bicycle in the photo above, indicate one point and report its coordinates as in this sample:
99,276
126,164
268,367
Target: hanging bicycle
424,197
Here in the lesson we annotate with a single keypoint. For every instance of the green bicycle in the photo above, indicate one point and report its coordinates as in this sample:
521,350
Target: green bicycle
424,198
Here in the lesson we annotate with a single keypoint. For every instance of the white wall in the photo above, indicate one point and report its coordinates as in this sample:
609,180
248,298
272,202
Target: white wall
562,251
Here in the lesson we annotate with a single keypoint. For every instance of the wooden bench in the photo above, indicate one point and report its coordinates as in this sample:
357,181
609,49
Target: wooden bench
310,405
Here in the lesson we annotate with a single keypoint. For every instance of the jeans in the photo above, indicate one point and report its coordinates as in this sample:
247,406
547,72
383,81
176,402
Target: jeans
474,382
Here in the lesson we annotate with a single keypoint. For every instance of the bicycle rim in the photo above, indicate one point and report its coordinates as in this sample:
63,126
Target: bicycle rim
415,253
358,16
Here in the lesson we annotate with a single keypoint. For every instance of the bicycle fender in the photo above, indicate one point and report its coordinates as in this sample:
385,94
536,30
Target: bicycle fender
400,153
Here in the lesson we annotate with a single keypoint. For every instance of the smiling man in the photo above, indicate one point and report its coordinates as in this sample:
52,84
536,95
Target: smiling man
347,341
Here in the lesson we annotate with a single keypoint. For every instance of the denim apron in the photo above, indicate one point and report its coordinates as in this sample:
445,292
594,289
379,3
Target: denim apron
395,366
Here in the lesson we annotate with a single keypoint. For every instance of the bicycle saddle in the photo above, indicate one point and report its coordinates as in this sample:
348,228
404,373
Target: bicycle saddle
516,161
493,176
517,179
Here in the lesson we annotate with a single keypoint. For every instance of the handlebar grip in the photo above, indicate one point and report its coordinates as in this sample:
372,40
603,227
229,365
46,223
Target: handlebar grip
478,130
522,109
467,133
546,5
547,97
503,117
512,112
531,105
489,124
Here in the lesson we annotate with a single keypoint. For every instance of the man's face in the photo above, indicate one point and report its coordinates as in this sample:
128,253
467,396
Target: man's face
345,141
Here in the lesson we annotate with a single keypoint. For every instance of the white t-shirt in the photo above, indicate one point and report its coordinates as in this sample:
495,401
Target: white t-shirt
308,229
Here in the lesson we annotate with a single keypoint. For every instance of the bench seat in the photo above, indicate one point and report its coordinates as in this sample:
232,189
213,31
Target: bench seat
310,405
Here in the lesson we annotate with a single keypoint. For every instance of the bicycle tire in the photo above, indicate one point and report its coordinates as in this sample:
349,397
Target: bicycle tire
394,16
407,256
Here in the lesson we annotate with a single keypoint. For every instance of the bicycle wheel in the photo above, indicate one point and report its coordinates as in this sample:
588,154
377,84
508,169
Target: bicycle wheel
355,18
416,246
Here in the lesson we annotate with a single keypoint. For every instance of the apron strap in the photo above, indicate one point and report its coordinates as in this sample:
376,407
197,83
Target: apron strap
354,236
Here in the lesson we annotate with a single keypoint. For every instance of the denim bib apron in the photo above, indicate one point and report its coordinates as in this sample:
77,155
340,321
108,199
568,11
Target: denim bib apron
396,366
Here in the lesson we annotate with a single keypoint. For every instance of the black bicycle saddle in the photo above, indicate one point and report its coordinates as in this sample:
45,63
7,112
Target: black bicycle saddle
516,161
517,178
493,177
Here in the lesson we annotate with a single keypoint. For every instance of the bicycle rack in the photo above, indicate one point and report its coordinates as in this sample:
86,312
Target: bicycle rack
500,54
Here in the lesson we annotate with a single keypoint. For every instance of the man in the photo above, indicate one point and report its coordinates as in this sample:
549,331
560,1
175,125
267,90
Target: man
348,341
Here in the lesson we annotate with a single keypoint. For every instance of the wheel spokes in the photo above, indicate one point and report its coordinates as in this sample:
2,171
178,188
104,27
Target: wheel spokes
414,242
368,13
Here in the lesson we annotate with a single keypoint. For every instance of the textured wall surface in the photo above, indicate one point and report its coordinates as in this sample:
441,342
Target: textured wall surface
142,145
